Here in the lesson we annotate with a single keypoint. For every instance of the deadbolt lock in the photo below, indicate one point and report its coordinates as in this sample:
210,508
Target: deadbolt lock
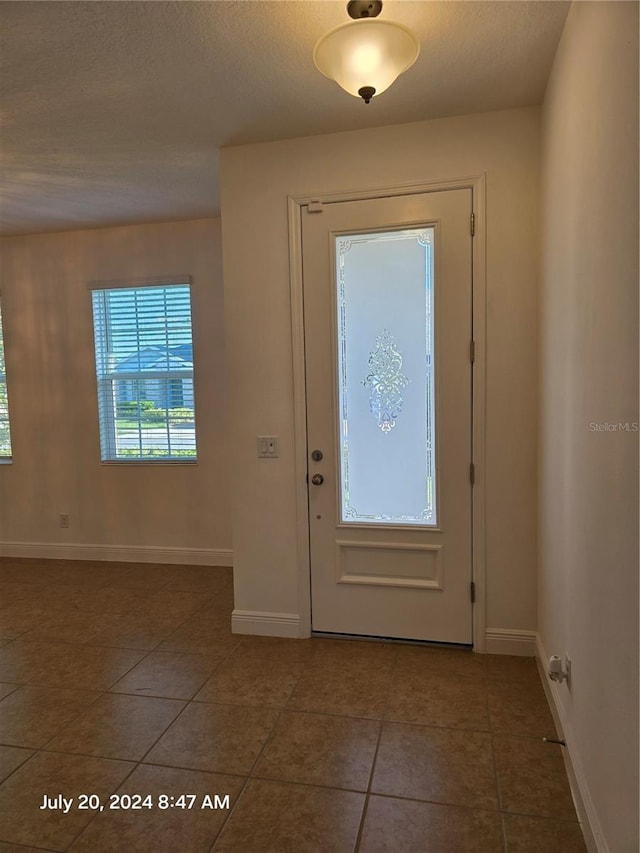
316,455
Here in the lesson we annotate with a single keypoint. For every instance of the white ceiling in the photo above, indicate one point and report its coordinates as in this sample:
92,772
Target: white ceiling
114,112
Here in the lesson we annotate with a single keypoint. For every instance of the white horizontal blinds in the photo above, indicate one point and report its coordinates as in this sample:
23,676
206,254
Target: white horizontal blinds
144,364
5,432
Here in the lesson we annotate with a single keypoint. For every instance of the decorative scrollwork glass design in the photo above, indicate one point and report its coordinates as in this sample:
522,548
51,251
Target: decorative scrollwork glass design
386,381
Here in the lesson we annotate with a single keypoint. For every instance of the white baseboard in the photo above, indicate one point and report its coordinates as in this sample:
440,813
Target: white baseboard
587,815
504,641
118,553
265,624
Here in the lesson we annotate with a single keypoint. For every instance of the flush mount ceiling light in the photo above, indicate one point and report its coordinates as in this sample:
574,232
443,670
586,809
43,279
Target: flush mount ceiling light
366,55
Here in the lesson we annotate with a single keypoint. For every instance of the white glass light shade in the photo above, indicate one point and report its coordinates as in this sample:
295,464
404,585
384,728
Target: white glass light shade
366,52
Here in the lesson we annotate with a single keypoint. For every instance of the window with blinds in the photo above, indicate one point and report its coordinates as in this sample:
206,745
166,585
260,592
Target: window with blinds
5,432
144,367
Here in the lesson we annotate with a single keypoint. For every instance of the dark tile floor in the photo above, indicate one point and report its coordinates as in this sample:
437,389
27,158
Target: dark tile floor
126,679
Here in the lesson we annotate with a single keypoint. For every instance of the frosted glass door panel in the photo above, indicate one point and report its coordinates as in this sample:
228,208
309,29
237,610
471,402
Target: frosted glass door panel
386,417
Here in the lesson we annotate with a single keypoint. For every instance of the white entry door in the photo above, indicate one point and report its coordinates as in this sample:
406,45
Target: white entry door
388,327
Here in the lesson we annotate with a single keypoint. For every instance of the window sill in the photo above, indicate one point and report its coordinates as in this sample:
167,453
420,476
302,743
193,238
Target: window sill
153,462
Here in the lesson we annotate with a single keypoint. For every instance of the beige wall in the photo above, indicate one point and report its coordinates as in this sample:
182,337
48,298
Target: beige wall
588,566
256,180
52,394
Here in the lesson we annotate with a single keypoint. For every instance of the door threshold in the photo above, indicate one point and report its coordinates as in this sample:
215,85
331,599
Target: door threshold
365,638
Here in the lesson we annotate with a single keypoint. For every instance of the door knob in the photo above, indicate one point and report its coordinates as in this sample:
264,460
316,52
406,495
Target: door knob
317,479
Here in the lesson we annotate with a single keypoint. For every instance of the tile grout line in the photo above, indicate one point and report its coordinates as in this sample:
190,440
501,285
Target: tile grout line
22,763
382,720
61,613
95,816
100,694
247,780
63,728
104,692
495,769
137,763
250,776
445,805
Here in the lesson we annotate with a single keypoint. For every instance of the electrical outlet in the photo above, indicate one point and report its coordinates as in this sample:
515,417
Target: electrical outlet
64,519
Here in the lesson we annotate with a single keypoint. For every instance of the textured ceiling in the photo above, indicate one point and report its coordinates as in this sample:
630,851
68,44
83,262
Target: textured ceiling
114,112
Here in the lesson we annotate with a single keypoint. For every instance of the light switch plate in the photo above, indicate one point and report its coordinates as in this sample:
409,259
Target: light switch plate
268,447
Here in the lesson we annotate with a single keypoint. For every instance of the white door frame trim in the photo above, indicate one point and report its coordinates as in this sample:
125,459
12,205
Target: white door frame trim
476,184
